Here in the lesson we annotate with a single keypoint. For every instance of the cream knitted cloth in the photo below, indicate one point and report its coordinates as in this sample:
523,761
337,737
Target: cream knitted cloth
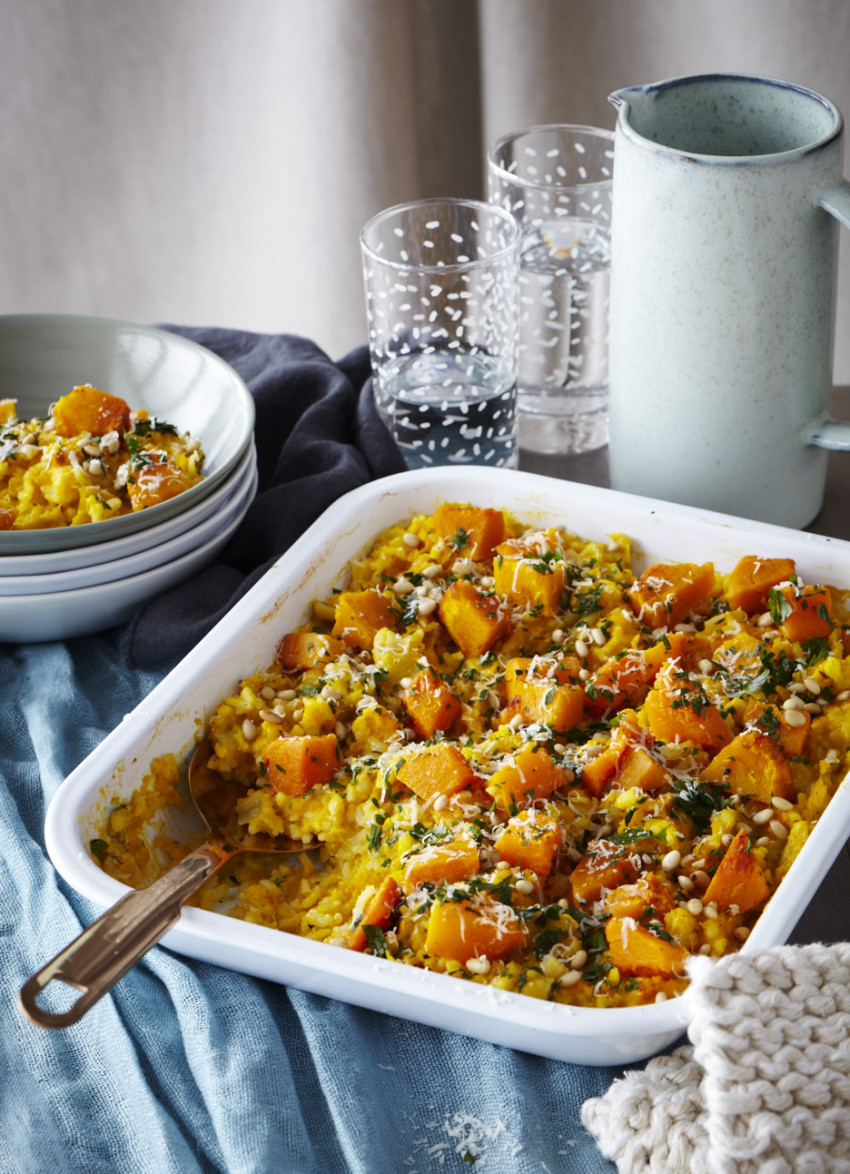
765,1088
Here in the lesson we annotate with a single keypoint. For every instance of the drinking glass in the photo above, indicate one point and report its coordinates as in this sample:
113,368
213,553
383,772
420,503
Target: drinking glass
556,180
441,280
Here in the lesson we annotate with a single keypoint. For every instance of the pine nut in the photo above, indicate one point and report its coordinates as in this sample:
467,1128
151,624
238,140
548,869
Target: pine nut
570,978
672,860
579,960
778,829
781,804
812,685
694,906
410,540
269,715
795,717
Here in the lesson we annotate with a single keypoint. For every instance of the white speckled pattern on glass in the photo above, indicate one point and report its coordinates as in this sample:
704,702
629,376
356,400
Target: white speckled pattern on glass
441,297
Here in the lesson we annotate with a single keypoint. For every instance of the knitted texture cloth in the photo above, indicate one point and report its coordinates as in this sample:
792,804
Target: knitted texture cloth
764,1087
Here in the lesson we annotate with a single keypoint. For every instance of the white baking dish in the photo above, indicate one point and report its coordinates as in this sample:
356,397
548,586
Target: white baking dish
244,642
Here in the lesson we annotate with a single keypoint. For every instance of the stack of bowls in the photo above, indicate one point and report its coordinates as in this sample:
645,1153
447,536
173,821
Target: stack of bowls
75,580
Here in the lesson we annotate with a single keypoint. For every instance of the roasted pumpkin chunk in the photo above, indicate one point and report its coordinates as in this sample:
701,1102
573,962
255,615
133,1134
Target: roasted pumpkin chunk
531,775
739,879
475,619
472,531
359,616
437,770
87,409
664,593
749,584
465,929
296,764
753,764
430,704
378,912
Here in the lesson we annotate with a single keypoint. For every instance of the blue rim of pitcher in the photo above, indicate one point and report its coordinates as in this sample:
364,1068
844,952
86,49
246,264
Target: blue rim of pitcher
736,160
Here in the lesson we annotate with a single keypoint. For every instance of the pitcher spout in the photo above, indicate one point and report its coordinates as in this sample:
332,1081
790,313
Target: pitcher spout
632,100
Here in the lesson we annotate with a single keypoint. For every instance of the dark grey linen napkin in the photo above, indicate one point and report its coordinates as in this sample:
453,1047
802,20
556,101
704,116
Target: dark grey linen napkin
318,435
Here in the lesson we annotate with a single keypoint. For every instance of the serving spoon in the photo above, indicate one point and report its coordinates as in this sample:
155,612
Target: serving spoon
110,946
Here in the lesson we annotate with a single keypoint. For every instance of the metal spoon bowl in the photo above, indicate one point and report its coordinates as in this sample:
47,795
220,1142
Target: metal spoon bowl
110,946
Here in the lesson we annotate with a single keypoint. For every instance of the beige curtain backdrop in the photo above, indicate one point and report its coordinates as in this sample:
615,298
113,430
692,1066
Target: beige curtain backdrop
211,163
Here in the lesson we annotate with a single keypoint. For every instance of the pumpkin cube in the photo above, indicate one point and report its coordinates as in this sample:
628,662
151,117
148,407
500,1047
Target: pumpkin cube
437,770
665,593
86,409
530,840
637,768
158,479
598,772
529,579
792,737
604,866
676,710
474,619
447,863
473,532
738,879
378,912
649,892
749,584
297,764
532,775
461,930
806,612
542,698
753,764
431,704
359,615
635,949
626,678
306,650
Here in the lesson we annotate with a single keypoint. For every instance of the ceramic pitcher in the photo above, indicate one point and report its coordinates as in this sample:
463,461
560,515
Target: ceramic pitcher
723,283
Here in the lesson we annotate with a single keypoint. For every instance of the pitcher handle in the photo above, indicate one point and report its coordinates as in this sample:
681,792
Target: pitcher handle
825,432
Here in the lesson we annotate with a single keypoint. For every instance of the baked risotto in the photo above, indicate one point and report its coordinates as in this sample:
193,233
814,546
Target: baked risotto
89,459
512,760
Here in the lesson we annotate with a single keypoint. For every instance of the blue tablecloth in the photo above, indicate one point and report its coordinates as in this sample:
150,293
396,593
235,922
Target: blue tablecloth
186,1067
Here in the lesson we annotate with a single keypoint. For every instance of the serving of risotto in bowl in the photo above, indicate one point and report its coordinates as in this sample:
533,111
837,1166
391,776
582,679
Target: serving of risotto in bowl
126,460
542,743
108,428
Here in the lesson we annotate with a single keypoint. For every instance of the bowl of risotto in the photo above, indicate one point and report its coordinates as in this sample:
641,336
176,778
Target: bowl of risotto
108,429
543,743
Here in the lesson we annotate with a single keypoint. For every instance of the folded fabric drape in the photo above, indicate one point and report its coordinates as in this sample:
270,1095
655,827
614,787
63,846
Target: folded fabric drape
318,435
187,1068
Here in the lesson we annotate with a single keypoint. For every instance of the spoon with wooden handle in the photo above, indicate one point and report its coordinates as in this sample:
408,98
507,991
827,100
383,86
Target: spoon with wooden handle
110,946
